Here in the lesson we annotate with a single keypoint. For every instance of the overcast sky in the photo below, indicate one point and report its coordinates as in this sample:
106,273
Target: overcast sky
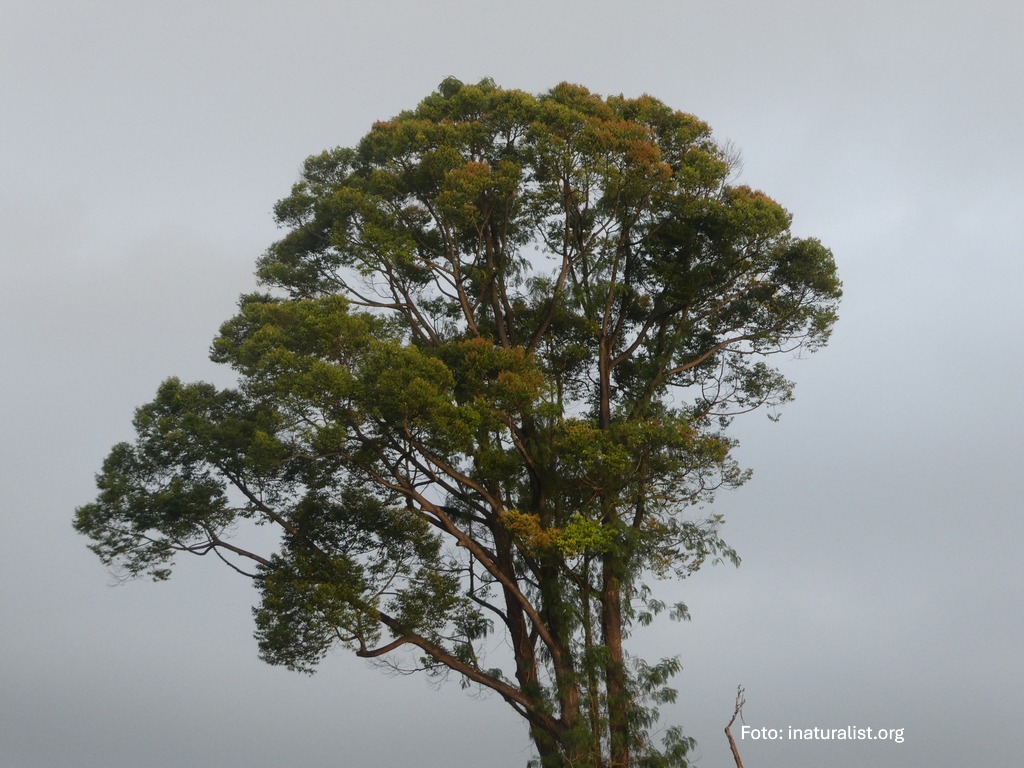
142,146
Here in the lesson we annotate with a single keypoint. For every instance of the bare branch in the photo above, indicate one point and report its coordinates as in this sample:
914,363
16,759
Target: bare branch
737,712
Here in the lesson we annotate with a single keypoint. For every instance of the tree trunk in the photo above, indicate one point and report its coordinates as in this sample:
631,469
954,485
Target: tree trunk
616,683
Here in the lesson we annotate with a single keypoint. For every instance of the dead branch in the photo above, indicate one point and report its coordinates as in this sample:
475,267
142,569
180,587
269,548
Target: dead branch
737,712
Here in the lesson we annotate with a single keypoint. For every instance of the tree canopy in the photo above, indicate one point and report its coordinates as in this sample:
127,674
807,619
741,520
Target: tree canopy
487,392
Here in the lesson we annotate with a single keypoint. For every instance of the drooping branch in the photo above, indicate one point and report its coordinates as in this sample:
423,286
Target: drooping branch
522,703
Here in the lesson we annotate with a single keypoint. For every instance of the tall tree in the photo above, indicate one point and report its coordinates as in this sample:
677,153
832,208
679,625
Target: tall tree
487,392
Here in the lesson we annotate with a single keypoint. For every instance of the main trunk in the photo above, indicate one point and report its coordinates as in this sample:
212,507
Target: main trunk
616,683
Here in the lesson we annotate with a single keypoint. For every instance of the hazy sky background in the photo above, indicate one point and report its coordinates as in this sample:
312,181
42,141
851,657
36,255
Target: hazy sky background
142,146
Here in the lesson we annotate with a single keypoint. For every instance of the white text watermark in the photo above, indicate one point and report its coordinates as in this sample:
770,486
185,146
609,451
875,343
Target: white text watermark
847,733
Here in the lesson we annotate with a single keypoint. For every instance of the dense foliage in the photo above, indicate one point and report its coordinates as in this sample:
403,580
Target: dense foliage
486,393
